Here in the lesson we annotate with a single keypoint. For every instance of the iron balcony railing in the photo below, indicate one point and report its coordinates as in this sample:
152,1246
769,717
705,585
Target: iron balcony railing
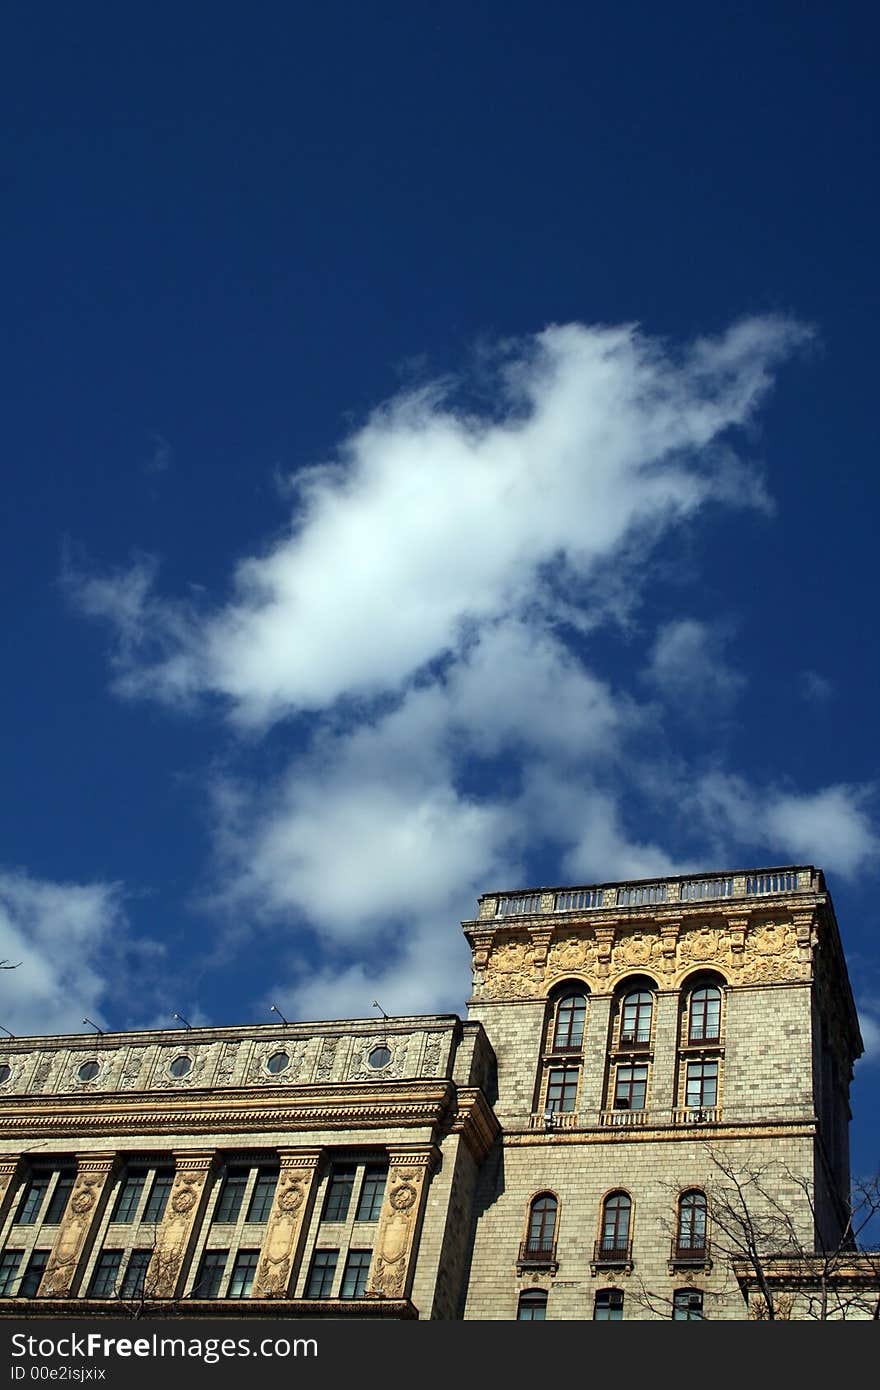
612,1252
537,1252
690,1252
701,888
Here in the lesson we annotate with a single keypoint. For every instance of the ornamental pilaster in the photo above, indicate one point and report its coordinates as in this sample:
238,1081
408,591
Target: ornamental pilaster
95,1174
181,1222
9,1173
400,1221
288,1222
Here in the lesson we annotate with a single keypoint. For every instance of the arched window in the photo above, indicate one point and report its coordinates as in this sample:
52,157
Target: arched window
608,1306
687,1305
691,1235
532,1306
568,1030
541,1238
635,1017
615,1224
704,1014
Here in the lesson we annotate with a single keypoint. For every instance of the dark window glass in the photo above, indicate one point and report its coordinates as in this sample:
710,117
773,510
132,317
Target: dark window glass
129,1197
231,1195
702,1085
242,1277
210,1274
379,1057
9,1263
692,1221
181,1066
542,1224
88,1071
158,1198
105,1275
5,1072
136,1274
635,1022
704,1015
339,1191
570,1014
354,1276
631,1087
687,1305
372,1192
562,1085
34,1192
532,1306
264,1192
58,1200
320,1280
615,1222
34,1273
279,1061
608,1306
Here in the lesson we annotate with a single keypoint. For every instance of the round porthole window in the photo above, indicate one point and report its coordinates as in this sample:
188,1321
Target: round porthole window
88,1071
5,1072
181,1066
279,1061
379,1057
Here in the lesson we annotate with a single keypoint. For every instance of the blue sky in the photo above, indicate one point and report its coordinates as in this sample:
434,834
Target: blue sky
440,455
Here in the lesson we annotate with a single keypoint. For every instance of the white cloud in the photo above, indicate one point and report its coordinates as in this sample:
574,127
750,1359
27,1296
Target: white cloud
64,935
688,668
831,827
433,520
869,1025
815,688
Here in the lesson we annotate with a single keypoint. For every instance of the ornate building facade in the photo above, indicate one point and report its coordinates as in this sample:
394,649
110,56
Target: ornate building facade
644,1067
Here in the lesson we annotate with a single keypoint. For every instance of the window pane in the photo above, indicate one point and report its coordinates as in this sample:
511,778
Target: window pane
532,1306
702,1084
354,1277
542,1222
136,1273
372,1192
692,1221
8,1269
32,1200
34,1273
264,1193
158,1198
243,1271
210,1275
320,1281
562,1083
635,1025
631,1087
103,1284
231,1195
609,1305
339,1191
129,1197
687,1305
615,1223
570,1016
58,1200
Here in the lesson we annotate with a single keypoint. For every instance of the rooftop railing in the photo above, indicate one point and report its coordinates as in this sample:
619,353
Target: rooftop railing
687,889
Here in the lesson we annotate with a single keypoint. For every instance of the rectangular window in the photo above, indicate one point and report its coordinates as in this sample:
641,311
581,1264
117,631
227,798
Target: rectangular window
372,1192
9,1263
35,1190
129,1197
702,1085
608,1306
242,1278
339,1191
631,1087
158,1198
58,1200
354,1276
231,1195
210,1275
562,1085
321,1274
264,1193
34,1273
134,1283
105,1275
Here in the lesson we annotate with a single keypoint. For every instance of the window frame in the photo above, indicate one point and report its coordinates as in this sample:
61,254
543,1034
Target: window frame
608,1305
533,1299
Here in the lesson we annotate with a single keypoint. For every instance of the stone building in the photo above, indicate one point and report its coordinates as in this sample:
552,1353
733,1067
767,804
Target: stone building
633,1054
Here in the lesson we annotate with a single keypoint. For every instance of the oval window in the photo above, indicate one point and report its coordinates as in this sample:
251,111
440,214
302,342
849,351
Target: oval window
277,1062
379,1057
88,1071
181,1066
5,1073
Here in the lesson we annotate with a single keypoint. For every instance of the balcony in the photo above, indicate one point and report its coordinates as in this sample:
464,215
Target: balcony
611,1254
553,1119
690,1255
633,1042
697,1115
623,1117
537,1254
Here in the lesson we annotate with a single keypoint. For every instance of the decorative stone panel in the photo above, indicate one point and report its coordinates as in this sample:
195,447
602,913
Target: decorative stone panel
76,1232
288,1222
